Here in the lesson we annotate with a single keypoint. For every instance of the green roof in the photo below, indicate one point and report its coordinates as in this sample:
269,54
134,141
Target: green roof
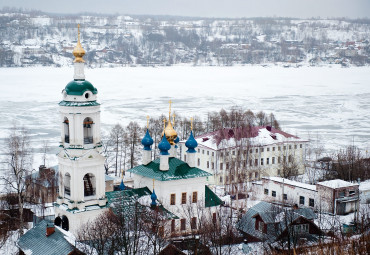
211,198
78,104
36,242
178,170
78,87
126,202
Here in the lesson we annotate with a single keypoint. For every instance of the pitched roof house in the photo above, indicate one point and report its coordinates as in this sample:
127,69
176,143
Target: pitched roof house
269,222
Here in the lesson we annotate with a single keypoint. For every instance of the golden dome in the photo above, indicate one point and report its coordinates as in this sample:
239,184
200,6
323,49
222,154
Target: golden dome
171,134
78,51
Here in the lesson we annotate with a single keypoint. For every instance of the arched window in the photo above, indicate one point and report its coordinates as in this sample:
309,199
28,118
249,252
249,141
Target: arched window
58,221
67,184
88,135
66,130
65,223
89,185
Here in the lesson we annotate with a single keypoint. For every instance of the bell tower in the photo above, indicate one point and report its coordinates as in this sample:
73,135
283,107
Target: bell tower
81,165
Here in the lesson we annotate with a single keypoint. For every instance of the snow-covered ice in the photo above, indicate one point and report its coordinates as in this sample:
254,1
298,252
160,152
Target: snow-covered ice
331,102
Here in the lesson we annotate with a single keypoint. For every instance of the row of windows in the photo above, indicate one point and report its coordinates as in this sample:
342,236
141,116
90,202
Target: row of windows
213,153
257,150
194,198
255,162
255,174
311,201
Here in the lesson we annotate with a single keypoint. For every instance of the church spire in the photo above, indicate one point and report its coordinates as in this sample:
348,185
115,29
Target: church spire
79,52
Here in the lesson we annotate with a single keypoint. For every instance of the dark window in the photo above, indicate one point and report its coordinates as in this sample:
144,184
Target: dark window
311,202
207,164
194,223
273,148
262,149
250,162
268,149
173,199
183,222
290,147
284,148
301,200
261,161
198,150
173,226
213,153
256,174
273,160
207,152
250,151
295,146
300,146
233,152
221,179
285,196
214,218
267,161
256,150
279,148
202,151
227,166
256,162
273,193
221,166
198,161
213,165
266,191
183,198
195,197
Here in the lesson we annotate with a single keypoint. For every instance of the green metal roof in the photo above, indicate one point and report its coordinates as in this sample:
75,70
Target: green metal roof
211,198
126,202
36,242
78,104
78,87
178,170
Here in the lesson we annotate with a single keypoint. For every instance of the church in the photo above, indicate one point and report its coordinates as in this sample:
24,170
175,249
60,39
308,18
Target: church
172,186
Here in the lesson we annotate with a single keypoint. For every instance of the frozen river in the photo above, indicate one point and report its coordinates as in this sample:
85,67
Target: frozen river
330,103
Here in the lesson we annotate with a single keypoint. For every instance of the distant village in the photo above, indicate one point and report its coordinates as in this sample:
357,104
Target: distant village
243,187
39,39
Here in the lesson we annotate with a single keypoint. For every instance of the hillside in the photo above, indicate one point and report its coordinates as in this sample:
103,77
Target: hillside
35,38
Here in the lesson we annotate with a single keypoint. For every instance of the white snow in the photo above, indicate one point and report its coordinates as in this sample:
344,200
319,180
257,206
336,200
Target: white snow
330,102
365,185
293,183
335,184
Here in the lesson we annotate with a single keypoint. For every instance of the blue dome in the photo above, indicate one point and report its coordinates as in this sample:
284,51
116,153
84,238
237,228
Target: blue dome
191,143
147,141
164,146
177,140
122,186
153,197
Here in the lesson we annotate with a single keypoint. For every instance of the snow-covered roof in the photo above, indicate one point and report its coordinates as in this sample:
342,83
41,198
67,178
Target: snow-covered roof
290,182
365,185
335,184
255,136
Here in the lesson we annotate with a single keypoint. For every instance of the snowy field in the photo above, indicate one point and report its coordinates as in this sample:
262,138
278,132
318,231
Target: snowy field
331,103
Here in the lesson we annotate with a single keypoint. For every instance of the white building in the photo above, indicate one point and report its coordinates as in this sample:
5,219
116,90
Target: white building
334,196
277,189
179,186
245,154
81,165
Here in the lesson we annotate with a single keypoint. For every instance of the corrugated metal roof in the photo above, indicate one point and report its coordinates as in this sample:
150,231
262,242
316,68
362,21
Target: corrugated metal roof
36,241
178,169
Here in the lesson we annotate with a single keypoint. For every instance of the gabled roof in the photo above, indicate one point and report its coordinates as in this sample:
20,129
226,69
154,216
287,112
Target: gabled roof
211,199
178,170
275,218
35,241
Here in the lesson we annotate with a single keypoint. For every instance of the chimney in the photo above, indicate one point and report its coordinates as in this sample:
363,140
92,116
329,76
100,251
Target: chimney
50,229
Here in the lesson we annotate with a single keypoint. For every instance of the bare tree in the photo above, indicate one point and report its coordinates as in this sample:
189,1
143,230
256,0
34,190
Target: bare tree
116,139
19,164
